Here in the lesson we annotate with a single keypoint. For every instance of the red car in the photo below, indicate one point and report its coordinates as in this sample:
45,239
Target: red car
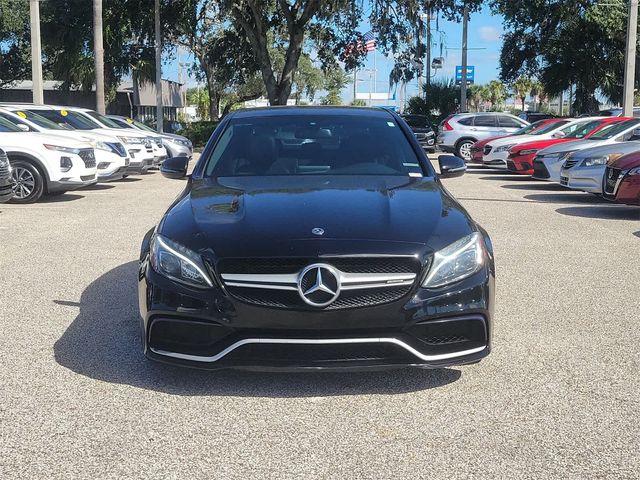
521,156
477,148
622,180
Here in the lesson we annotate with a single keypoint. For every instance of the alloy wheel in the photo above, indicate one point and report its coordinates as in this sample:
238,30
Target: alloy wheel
24,182
465,151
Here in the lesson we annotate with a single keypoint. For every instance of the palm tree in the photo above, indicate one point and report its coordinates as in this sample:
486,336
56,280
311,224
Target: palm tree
537,90
477,95
98,49
497,93
522,87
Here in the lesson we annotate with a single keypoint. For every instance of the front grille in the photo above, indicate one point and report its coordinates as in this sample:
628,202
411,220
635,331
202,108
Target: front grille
294,265
570,164
446,339
88,157
511,166
611,176
487,149
86,178
540,169
365,296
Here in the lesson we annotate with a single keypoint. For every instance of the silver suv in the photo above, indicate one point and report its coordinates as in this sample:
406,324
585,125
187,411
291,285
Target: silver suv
457,133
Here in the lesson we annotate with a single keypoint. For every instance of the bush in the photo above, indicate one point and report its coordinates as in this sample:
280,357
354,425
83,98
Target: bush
199,132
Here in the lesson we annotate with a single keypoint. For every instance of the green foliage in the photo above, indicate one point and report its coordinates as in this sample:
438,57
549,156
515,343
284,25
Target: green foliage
522,87
358,102
199,97
441,99
15,41
199,132
573,42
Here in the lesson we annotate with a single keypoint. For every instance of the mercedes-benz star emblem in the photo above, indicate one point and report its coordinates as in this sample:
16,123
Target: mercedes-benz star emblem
318,231
319,285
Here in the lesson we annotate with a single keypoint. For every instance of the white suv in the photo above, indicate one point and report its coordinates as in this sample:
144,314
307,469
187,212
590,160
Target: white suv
112,159
45,164
138,146
457,133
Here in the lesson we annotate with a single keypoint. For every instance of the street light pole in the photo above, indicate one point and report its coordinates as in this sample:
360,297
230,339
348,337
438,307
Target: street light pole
159,114
630,59
36,52
463,83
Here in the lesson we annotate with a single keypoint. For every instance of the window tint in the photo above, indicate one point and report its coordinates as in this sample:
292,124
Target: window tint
102,119
39,120
508,122
614,129
584,128
13,120
313,145
7,126
71,120
485,121
467,121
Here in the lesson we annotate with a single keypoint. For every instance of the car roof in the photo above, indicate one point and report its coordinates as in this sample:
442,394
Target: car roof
310,110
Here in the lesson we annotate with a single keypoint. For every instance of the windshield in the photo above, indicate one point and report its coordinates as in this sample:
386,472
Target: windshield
142,126
39,120
313,145
67,119
583,130
614,129
528,128
548,128
102,119
7,126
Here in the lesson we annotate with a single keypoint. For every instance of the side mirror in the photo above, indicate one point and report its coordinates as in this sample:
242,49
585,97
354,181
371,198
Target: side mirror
175,167
559,135
23,127
451,166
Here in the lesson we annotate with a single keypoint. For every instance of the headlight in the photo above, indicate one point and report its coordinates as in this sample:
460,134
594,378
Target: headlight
504,148
132,140
60,148
634,171
179,141
178,263
459,260
564,155
530,151
104,146
601,160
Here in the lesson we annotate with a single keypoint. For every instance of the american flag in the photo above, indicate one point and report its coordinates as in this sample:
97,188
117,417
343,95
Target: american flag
369,41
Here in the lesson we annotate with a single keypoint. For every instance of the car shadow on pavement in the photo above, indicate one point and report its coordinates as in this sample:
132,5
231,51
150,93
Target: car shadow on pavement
99,186
103,343
514,177
65,197
567,197
604,212
537,186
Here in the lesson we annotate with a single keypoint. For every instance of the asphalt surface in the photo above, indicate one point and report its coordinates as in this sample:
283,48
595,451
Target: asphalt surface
558,397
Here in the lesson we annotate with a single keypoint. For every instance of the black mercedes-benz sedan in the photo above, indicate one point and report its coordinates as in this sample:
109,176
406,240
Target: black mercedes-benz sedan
315,237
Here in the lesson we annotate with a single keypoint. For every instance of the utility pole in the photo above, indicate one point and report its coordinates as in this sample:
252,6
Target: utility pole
428,65
463,83
630,59
36,52
98,55
159,114
355,84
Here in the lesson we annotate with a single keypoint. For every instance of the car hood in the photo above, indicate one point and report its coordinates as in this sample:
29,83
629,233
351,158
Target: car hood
631,160
120,132
577,145
613,148
540,144
19,139
84,135
275,216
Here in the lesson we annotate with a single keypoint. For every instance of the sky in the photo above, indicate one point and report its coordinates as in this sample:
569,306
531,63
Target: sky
484,33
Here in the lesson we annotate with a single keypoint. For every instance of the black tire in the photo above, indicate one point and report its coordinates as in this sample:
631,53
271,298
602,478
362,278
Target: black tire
29,182
463,149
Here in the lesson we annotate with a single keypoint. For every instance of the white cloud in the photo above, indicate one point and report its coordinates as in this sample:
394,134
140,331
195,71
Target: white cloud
489,34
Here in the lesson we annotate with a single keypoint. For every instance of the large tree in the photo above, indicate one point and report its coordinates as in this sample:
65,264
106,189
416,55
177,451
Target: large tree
577,43
15,54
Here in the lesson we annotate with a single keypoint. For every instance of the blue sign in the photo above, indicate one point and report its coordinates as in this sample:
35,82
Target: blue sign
471,74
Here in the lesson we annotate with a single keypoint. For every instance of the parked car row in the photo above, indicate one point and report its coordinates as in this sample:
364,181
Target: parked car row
599,155
51,149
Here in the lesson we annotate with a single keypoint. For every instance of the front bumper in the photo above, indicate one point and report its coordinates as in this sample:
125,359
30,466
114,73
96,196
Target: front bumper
139,167
522,164
496,160
213,330
582,179
66,184
112,175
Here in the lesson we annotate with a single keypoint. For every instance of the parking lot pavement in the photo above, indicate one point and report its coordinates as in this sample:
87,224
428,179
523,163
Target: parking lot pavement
558,397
